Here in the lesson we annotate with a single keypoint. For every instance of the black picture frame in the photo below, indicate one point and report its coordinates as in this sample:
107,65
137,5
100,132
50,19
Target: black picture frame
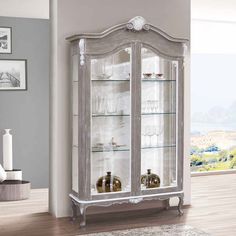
18,81
7,41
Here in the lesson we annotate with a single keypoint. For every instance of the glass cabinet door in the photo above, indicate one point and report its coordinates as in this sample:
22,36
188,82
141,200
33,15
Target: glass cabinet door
158,121
110,123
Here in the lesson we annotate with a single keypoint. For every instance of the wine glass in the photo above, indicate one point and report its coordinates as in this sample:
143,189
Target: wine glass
149,106
156,105
153,106
143,137
149,133
108,67
144,107
111,106
101,105
158,132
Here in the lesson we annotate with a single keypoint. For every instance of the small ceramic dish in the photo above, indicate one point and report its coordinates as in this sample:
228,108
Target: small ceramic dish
159,76
147,75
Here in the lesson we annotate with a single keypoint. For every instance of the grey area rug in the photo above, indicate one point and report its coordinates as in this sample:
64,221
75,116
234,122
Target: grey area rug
164,230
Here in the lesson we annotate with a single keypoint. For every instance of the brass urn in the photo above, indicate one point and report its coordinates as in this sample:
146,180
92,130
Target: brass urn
108,183
150,180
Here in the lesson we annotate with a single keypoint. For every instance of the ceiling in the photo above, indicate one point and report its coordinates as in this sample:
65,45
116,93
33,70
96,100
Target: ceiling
25,8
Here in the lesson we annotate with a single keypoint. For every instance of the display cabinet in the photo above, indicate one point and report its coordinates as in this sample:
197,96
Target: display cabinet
127,116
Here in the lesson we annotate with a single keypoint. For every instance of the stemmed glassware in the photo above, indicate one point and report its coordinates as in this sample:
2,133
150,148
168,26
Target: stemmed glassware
150,106
157,132
111,106
104,105
150,135
102,69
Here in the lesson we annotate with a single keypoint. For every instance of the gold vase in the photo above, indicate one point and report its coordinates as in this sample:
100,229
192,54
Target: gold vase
108,183
150,180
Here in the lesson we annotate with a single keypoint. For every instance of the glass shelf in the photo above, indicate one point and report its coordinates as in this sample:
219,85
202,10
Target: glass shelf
104,115
94,148
110,149
158,80
107,115
126,80
110,80
159,113
123,149
95,193
144,188
164,146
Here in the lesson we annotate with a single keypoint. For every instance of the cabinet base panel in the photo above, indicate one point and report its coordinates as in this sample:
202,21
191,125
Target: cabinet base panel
79,207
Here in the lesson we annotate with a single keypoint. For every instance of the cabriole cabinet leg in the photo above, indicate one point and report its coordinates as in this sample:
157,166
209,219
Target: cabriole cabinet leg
74,210
180,205
82,208
167,203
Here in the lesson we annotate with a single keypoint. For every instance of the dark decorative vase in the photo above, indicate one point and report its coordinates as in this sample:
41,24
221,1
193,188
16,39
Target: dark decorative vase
150,180
108,183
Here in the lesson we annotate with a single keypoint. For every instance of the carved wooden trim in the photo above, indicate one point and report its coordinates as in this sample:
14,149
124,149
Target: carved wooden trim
161,54
126,47
82,51
136,200
133,199
136,24
185,46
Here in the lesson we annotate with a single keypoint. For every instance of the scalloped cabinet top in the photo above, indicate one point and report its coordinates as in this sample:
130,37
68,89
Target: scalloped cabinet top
136,24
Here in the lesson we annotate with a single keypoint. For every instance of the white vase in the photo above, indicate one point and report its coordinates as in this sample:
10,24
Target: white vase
7,150
3,174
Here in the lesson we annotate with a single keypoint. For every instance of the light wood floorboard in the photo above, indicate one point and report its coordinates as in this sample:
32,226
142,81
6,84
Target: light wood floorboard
213,210
37,203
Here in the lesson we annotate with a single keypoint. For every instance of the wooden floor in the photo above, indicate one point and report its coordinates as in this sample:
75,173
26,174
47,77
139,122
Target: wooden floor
213,210
37,203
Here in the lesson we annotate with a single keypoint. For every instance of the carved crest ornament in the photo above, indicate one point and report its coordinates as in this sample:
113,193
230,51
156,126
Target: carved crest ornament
138,23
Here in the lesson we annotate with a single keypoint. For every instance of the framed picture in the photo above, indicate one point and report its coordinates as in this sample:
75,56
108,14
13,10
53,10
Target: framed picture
13,74
5,40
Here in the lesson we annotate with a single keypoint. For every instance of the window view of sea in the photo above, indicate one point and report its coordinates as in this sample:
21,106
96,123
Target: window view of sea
213,118
203,128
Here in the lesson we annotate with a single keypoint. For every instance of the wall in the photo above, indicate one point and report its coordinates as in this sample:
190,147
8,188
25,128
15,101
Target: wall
27,112
214,10
74,17
25,8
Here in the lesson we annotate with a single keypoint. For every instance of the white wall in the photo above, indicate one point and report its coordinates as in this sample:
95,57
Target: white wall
212,22
71,17
25,8
207,39
220,10
27,112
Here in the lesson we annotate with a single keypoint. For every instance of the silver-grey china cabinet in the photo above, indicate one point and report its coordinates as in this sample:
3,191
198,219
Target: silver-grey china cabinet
127,116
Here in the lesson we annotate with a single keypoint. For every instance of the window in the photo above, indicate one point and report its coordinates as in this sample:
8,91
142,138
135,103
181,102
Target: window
213,96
